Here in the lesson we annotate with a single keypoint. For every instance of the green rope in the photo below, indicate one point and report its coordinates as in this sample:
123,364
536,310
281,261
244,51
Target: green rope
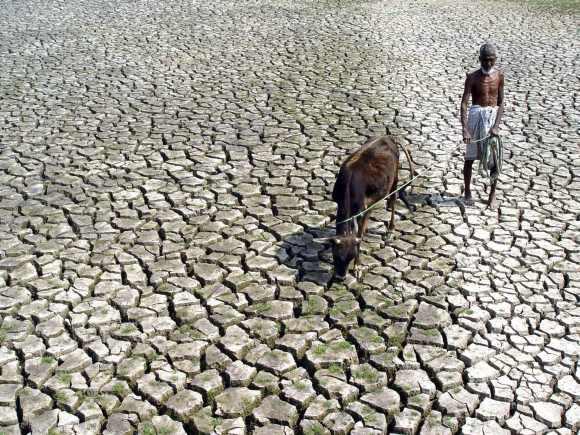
491,160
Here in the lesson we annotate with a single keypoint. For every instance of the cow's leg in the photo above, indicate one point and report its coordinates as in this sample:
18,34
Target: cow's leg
363,226
391,204
393,201
356,269
362,229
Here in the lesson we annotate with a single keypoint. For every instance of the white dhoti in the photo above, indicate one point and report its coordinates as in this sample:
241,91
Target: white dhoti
479,122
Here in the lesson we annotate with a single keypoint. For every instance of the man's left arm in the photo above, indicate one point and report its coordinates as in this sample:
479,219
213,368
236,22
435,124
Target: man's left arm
495,129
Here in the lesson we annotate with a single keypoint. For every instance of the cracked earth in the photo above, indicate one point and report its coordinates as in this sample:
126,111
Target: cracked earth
165,166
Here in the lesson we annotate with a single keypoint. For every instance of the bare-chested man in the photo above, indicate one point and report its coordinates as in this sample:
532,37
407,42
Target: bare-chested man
485,86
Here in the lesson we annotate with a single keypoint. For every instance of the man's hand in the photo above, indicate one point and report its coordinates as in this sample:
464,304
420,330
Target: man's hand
494,131
466,137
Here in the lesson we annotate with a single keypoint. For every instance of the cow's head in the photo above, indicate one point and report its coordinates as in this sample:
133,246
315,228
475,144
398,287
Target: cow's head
345,248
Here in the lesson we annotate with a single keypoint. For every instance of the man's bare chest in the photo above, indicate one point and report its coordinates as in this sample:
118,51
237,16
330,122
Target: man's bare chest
485,86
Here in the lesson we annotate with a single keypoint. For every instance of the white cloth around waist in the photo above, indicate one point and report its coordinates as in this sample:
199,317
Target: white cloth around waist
480,120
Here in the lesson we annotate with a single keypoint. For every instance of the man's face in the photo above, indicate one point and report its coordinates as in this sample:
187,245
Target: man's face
487,63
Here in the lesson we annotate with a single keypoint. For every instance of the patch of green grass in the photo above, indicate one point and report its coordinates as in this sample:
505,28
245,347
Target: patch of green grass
148,429
342,345
3,335
398,311
51,431
335,311
119,389
261,307
319,349
431,332
164,430
150,357
397,340
328,404
464,312
312,306
335,369
185,329
415,399
377,339
216,421
247,407
81,394
47,359
367,374
448,421
432,419
386,302
128,329
315,429
372,418
211,395
65,378
301,386
60,396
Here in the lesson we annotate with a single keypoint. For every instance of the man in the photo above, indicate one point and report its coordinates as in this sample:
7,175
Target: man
485,86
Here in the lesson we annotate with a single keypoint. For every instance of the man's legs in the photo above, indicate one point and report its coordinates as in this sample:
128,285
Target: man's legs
491,200
467,169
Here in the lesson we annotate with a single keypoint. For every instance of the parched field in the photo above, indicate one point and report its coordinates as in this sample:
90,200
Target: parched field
165,166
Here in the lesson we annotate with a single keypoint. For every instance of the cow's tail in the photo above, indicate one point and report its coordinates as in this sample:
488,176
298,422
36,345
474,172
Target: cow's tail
409,159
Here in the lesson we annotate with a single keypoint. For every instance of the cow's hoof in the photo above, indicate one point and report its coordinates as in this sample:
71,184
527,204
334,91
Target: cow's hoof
492,204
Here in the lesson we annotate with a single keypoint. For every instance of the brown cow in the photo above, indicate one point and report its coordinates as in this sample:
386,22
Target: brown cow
365,177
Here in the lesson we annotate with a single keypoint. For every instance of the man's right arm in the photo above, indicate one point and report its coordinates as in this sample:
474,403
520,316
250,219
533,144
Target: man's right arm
464,103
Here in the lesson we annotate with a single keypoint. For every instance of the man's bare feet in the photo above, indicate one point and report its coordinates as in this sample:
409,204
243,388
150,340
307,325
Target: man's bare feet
467,199
491,202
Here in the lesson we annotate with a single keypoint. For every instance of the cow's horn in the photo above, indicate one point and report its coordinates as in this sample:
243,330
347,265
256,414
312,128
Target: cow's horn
323,239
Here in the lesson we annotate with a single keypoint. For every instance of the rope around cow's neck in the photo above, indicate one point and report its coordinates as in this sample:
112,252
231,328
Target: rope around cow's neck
374,204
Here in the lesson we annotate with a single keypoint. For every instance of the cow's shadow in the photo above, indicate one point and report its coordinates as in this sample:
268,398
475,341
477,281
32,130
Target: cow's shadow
311,259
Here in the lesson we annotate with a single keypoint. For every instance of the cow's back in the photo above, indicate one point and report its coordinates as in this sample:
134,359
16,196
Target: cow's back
375,163
373,167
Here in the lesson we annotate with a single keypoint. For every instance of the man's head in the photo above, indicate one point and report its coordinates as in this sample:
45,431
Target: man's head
487,58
